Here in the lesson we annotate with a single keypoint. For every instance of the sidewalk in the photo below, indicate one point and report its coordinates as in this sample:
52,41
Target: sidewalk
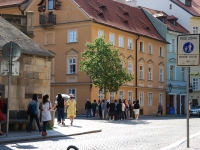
58,131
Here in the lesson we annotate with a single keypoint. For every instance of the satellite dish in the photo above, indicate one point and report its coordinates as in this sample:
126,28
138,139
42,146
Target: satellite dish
16,51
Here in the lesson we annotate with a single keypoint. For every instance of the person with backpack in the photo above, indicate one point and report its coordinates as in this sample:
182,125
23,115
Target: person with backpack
46,115
33,108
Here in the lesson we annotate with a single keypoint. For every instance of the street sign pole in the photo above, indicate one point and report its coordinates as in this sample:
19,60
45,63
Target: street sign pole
187,106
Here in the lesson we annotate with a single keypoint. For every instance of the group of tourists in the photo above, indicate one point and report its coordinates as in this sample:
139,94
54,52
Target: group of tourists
113,110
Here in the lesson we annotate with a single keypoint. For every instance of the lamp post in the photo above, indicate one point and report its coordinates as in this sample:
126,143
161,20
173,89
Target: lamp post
170,86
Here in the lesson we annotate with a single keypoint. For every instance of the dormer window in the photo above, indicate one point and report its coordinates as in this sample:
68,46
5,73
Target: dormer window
188,2
162,19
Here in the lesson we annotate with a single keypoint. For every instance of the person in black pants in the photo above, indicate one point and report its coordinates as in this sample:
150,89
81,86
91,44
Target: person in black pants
119,110
34,104
59,104
100,112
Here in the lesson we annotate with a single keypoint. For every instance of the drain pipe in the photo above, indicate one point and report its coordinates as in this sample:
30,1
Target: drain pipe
136,63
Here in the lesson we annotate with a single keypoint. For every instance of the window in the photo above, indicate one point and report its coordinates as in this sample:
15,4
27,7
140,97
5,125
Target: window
100,33
72,36
170,6
130,68
121,94
141,72
161,52
72,91
172,46
150,99
130,96
130,44
150,74
150,48
112,38
72,66
50,4
141,98
161,75
100,95
195,82
182,74
195,30
112,95
161,98
121,41
172,72
141,46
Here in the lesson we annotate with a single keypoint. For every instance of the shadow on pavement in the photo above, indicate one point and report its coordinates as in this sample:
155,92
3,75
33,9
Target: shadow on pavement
18,146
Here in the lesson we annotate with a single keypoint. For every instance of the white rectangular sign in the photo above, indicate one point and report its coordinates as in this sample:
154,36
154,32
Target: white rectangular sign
188,50
5,68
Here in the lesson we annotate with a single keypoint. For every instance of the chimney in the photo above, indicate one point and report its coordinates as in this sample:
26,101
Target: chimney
29,26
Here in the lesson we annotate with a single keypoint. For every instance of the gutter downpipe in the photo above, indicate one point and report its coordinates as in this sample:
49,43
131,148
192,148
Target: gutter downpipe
136,63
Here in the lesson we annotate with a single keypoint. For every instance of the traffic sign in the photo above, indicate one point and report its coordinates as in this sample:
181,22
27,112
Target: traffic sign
188,50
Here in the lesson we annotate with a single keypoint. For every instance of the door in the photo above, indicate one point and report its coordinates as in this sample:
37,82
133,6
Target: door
178,104
182,104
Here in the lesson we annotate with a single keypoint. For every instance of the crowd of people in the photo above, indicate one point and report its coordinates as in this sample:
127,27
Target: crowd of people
113,110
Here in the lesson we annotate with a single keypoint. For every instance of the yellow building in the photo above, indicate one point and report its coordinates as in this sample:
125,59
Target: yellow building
63,27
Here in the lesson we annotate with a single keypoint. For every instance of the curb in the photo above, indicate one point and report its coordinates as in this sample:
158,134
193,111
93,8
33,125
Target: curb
25,139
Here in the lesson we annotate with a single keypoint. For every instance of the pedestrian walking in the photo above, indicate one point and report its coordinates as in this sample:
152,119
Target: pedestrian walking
160,109
60,105
103,109
94,107
111,109
1,111
46,115
123,110
71,109
100,111
136,109
34,105
88,108
130,109
119,110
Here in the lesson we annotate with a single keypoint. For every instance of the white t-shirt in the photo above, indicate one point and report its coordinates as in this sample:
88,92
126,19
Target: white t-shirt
46,115
123,107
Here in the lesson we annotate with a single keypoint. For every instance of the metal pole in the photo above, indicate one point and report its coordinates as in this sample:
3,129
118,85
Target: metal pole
187,91
9,81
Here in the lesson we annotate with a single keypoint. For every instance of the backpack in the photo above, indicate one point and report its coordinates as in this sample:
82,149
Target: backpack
5,108
30,111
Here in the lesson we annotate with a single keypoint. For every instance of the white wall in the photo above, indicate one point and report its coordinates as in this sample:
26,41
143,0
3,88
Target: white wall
164,5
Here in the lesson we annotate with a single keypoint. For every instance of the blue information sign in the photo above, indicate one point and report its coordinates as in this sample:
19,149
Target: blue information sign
188,47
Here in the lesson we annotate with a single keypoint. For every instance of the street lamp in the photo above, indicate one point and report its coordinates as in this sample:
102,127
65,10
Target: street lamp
170,86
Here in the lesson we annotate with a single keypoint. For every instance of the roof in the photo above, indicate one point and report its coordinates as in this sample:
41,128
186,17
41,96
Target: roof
8,33
170,26
120,16
193,10
11,3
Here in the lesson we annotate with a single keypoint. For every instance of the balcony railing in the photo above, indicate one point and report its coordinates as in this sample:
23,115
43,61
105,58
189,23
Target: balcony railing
48,19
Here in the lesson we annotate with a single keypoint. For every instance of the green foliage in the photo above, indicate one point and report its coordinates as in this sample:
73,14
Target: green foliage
102,62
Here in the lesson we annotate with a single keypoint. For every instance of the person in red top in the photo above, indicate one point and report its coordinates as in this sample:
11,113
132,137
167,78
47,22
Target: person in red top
1,109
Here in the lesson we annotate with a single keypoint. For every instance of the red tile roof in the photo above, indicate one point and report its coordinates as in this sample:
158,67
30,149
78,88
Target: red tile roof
193,10
9,3
120,16
170,26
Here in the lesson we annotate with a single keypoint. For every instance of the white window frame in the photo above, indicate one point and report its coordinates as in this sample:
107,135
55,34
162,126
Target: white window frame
100,33
161,75
195,29
183,73
120,41
150,98
112,38
150,48
161,98
72,91
130,43
100,95
141,99
173,46
141,48
130,68
141,72
173,71
69,64
72,36
150,77
195,84
130,96
112,95
161,51
121,94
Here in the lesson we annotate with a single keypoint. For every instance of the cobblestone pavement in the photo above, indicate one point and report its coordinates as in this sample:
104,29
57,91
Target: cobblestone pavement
149,133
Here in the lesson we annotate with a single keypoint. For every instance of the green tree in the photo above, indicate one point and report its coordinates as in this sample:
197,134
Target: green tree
102,62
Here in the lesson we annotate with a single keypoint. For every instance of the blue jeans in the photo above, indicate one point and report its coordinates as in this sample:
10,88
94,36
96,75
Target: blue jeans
88,112
44,129
60,114
31,122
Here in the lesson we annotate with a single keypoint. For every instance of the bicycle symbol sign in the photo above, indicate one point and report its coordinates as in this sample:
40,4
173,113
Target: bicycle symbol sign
188,47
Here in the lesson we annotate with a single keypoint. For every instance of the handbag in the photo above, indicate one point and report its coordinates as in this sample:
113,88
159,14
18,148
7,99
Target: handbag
2,116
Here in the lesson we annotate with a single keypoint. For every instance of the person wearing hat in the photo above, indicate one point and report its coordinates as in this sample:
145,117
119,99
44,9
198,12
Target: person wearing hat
71,108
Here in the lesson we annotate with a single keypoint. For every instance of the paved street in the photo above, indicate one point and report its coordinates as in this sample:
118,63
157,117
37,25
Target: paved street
148,133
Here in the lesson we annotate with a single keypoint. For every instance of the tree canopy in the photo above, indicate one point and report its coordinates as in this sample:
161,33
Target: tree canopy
102,62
